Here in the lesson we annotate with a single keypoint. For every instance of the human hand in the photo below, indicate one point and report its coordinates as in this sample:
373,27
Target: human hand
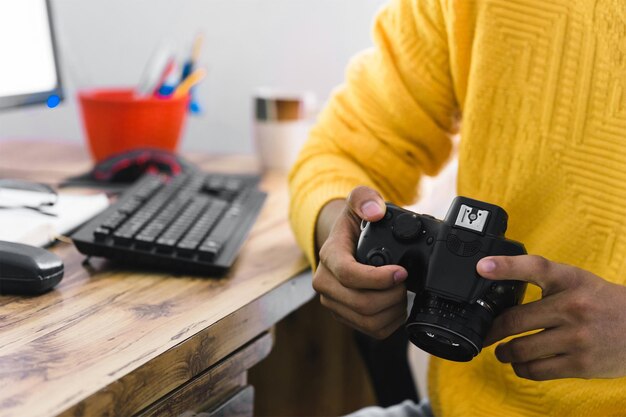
370,299
583,318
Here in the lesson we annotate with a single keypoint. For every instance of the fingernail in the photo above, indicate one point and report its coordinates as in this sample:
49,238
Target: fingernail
487,265
400,275
371,209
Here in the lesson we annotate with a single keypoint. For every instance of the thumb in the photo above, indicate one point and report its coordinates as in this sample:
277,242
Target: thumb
366,203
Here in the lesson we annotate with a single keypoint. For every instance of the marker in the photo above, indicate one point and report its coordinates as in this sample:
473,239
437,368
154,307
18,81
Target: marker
193,79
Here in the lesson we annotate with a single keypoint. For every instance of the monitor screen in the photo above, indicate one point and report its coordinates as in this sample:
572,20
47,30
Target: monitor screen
29,70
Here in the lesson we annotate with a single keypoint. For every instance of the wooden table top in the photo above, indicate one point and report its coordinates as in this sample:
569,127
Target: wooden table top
110,341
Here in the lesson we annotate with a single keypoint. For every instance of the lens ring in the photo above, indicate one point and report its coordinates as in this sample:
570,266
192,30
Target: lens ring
452,332
485,305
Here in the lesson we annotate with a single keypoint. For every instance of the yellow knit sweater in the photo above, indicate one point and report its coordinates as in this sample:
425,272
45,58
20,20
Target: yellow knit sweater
540,87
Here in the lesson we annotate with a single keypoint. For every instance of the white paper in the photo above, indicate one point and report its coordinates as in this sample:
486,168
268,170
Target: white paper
33,228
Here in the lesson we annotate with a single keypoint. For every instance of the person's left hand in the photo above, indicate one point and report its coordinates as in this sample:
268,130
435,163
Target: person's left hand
583,318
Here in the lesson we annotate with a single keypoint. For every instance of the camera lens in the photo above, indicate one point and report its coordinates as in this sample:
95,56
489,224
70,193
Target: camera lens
448,329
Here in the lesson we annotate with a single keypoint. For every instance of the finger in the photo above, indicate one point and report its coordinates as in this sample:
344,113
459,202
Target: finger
366,203
377,326
550,276
388,330
554,367
352,274
365,302
345,231
541,314
533,347
344,234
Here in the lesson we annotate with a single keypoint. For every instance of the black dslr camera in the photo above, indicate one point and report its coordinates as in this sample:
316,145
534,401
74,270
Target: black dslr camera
454,306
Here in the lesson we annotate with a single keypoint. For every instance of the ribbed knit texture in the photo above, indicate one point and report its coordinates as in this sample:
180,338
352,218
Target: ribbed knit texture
540,86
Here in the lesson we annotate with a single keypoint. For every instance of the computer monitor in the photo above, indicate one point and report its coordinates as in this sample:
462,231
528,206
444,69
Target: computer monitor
29,71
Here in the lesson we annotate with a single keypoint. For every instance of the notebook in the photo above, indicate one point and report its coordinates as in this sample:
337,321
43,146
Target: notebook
33,228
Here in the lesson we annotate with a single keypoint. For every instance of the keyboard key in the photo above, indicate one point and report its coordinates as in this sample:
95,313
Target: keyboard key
154,229
129,206
166,245
100,234
113,221
201,227
233,185
213,243
177,229
147,186
209,250
124,235
214,183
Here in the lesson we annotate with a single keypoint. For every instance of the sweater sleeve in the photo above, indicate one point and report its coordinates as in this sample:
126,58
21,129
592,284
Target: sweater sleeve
391,121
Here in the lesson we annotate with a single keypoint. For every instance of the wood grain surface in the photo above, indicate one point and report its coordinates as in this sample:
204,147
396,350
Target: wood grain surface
199,393
111,341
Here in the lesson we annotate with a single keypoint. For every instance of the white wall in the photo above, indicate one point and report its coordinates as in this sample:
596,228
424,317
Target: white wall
294,44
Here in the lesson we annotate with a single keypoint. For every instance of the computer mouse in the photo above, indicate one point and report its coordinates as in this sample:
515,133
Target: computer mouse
128,166
26,269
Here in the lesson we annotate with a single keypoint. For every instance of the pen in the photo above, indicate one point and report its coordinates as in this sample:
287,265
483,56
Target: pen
197,46
169,67
193,58
193,79
171,80
194,105
153,70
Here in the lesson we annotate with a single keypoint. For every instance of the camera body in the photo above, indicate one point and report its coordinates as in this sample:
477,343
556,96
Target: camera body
454,307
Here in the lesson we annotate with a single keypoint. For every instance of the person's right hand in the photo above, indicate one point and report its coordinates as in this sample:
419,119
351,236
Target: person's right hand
370,299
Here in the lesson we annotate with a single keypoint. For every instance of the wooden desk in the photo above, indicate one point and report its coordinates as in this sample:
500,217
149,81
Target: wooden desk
115,342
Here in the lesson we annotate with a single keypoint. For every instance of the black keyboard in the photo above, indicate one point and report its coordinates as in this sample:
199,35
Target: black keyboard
193,223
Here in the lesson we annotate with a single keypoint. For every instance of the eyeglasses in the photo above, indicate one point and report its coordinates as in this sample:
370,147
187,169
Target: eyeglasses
28,195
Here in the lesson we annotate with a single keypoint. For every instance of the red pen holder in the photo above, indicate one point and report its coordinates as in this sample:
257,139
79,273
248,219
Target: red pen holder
116,120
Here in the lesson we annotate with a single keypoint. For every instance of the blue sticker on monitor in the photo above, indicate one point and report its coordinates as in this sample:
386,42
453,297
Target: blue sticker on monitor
53,101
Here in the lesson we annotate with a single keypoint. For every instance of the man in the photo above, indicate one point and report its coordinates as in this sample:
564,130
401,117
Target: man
540,89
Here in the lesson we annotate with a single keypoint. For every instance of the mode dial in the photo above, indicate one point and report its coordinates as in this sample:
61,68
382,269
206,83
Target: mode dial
406,226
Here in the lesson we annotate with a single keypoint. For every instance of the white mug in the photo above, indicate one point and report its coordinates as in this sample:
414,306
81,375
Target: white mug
281,126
